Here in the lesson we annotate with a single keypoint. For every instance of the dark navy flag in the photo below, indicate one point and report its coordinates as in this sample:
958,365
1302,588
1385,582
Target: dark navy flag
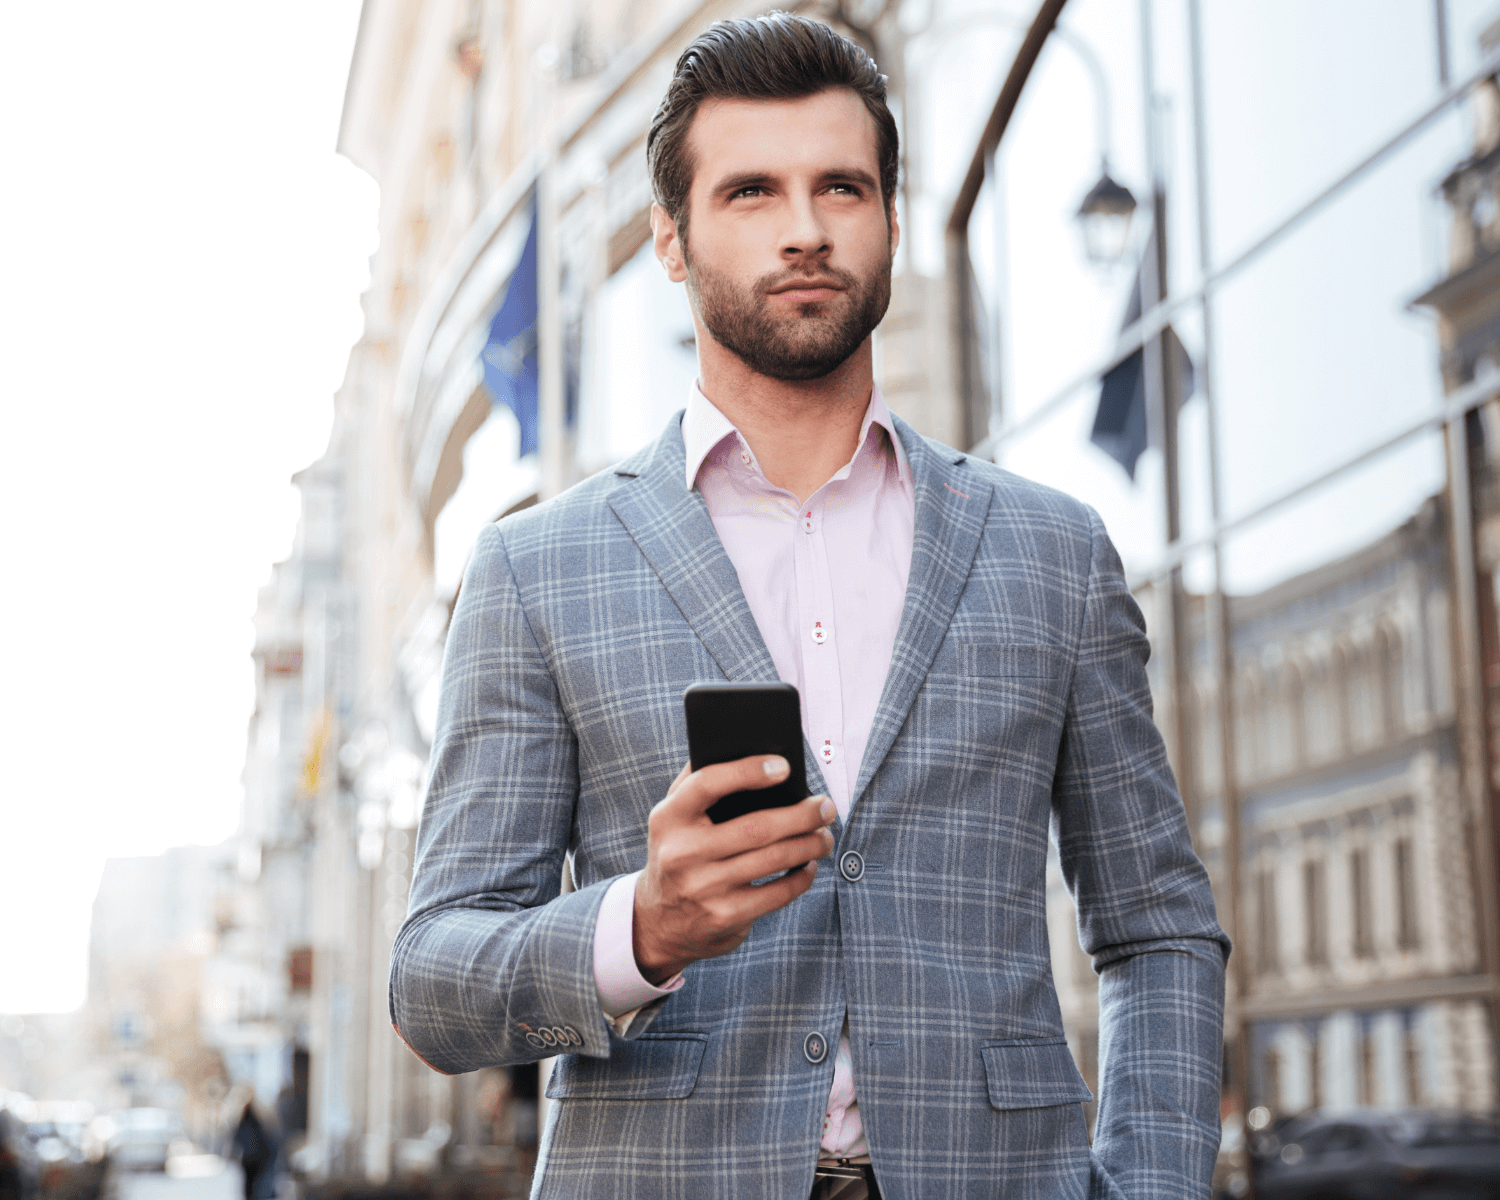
1120,421
510,355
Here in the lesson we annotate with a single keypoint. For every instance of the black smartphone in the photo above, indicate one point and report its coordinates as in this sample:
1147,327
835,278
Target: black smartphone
726,721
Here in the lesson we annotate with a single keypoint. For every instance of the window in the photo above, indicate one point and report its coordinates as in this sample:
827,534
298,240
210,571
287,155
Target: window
1271,1066
1413,1055
1359,902
1314,908
1315,1067
1267,932
1367,1069
1406,898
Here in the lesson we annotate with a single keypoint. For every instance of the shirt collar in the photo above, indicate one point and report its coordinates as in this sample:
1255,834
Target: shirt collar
704,427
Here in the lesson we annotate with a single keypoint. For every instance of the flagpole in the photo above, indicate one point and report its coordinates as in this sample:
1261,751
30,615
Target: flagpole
551,431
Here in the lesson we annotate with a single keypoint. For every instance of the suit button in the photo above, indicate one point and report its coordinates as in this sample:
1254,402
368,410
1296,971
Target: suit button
572,1035
815,1048
851,866
548,1037
535,1042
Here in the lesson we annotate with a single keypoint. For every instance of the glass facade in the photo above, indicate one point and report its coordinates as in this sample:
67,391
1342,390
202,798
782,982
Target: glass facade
1309,532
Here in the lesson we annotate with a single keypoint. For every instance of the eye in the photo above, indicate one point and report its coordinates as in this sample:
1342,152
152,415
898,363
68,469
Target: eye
749,190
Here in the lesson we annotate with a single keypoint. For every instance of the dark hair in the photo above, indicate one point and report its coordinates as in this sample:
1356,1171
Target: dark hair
777,56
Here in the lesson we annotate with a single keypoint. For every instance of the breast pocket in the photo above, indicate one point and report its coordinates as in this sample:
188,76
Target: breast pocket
992,707
1008,661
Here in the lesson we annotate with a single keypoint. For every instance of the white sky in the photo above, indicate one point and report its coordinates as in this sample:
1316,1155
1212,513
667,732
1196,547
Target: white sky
183,254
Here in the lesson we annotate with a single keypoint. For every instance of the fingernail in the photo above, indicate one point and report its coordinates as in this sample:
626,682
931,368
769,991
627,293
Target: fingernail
828,810
828,837
775,766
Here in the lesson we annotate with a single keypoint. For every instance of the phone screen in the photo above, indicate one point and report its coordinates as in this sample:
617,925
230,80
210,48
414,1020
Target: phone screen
726,721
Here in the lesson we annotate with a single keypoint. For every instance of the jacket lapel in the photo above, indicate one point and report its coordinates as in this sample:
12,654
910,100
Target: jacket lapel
671,526
951,507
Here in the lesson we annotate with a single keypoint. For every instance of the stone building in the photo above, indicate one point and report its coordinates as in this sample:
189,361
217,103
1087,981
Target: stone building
1358,875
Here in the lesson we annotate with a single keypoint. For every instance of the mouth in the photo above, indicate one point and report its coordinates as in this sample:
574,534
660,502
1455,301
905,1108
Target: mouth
808,291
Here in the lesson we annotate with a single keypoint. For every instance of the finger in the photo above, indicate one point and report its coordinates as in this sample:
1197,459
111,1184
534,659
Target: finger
701,789
687,769
779,892
769,860
770,825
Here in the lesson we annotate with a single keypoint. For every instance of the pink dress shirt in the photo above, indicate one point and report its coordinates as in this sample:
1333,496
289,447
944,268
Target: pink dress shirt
825,582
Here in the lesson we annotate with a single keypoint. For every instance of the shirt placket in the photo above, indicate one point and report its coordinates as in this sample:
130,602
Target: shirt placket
817,640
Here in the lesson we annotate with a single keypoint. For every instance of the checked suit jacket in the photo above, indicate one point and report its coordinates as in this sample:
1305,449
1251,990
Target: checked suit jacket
1016,703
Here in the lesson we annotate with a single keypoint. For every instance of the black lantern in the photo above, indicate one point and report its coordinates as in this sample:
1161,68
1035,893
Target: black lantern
1105,217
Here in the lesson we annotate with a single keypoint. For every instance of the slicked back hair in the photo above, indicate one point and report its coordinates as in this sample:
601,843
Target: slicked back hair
778,56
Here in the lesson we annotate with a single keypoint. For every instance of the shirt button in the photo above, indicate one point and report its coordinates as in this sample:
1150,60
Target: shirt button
807,522
815,1048
852,866
819,634
826,753
745,457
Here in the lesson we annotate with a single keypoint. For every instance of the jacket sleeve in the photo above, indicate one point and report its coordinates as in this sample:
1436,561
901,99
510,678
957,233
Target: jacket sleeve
493,965
1145,909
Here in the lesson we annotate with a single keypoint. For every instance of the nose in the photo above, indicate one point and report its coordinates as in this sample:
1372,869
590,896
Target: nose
805,235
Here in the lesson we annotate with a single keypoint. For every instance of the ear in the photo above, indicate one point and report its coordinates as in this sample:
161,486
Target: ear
895,228
668,247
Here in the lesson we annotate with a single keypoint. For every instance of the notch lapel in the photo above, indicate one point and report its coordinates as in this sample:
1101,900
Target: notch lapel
671,526
951,507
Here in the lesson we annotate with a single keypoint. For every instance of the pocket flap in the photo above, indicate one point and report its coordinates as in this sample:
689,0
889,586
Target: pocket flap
650,1067
1033,1074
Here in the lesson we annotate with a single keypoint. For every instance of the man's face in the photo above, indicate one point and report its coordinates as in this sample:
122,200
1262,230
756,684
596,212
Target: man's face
789,257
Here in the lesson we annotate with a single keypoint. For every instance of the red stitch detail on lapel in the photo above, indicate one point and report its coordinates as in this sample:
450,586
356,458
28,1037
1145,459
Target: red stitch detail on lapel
955,491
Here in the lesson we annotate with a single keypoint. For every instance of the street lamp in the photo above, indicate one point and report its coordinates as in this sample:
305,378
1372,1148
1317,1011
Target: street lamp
1104,217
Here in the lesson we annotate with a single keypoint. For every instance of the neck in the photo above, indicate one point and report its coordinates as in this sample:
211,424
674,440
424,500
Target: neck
802,431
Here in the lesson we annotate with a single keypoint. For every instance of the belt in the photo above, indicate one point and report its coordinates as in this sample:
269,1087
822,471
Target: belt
844,1180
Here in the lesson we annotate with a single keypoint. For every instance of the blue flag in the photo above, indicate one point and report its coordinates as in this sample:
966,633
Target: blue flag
510,355
1120,420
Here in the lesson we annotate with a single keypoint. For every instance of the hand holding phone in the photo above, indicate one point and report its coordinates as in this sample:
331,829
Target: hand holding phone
697,897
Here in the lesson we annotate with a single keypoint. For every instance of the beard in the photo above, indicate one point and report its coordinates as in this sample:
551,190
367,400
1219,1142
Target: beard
809,344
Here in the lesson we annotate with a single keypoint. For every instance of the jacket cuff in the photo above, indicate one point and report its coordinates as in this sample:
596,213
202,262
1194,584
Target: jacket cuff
623,990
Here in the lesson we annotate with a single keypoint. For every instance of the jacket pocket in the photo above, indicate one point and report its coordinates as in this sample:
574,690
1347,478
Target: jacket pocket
647,1068
1033,1073
1014,661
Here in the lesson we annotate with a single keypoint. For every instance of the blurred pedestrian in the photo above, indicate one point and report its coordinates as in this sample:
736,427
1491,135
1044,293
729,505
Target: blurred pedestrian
255,1146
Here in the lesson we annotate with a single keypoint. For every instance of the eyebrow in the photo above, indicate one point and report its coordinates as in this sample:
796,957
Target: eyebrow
743,179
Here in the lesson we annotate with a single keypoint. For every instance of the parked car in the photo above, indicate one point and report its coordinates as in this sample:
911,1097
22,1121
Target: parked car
142,1139
1374,1155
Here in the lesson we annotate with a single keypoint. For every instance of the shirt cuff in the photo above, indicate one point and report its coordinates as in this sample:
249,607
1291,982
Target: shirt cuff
622,988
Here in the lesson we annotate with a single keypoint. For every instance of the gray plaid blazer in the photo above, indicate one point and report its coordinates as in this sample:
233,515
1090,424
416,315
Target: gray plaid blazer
1016,700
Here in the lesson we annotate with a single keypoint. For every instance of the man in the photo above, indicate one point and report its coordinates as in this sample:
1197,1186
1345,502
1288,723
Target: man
971,668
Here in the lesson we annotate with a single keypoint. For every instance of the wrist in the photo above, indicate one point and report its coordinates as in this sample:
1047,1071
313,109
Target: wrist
655,964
